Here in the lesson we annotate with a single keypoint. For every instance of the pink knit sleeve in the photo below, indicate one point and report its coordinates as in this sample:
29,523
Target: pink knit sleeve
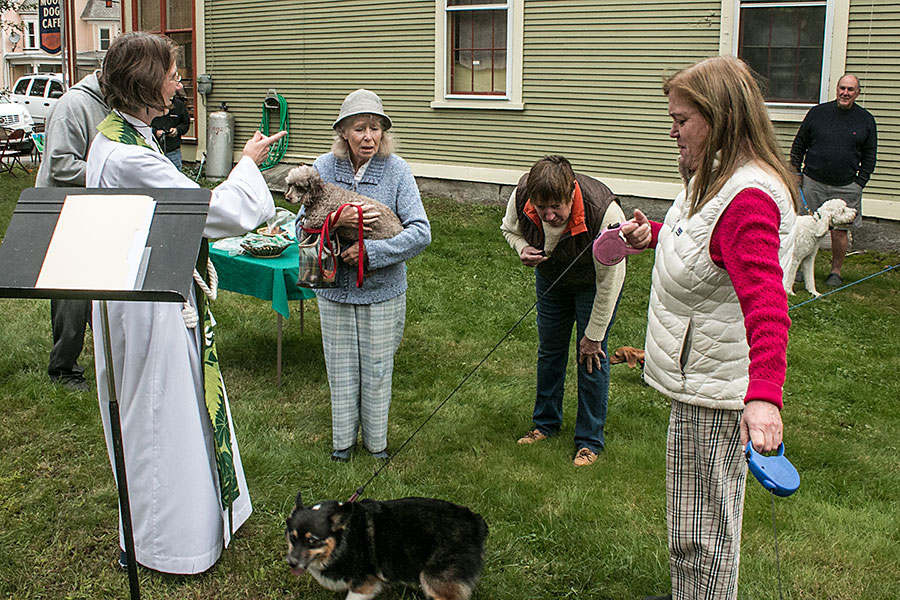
655,226
745,243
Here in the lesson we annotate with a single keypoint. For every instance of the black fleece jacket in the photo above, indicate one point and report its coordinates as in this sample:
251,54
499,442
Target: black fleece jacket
177,117
836,146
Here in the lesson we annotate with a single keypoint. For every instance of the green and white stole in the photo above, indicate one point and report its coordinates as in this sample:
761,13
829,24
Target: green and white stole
118,129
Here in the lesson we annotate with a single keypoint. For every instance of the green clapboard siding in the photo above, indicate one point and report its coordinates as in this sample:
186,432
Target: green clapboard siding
873,50
315,52
591,85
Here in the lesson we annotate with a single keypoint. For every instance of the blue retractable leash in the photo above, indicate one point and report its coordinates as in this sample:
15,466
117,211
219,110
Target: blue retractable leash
778,475
803,198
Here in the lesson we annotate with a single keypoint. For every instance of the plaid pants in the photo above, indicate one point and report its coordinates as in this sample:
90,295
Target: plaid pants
359,342
705,477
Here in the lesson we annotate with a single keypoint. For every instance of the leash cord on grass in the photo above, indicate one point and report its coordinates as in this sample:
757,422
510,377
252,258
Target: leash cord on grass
362,488
777,559
885,270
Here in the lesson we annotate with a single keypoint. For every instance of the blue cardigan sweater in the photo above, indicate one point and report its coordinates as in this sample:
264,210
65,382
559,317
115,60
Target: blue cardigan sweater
390,181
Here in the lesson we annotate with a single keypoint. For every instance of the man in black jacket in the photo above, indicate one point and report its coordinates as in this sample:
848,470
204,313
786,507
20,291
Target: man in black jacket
835,151
169,128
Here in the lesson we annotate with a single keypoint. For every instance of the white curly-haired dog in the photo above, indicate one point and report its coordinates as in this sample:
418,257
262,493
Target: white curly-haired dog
809,229
306,187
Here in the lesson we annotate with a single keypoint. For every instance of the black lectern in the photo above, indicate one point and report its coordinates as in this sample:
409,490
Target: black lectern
174,238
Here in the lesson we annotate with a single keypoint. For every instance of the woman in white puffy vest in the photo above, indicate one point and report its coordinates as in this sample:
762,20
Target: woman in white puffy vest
717,324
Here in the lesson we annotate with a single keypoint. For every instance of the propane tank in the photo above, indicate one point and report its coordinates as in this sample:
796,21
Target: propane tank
219,143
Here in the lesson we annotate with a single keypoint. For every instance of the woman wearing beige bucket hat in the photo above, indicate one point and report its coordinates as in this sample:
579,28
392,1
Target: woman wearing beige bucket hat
362,326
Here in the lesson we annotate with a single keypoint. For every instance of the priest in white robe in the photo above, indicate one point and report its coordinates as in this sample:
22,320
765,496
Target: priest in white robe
179,522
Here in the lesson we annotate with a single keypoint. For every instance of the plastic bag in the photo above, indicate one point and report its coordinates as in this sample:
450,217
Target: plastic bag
230,245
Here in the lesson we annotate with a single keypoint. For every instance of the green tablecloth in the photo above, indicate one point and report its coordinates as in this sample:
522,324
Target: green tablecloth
272,279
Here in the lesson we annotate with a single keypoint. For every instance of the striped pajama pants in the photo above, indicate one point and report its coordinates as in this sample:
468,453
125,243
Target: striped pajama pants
359,342
705,480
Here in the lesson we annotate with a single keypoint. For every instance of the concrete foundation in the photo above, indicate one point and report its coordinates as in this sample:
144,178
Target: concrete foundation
875,234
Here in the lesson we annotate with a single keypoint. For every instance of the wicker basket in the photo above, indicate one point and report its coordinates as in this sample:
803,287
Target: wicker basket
264,246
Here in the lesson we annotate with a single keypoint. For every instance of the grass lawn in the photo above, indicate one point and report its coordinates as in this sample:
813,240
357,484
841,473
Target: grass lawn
555,532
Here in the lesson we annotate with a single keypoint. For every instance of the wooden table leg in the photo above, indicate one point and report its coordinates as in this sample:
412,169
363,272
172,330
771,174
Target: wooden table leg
278,353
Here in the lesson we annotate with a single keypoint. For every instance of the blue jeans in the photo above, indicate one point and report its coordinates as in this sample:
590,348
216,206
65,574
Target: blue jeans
557,310
175,157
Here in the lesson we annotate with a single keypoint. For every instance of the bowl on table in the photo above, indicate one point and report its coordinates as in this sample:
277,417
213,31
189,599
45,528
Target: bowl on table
265,246
274,231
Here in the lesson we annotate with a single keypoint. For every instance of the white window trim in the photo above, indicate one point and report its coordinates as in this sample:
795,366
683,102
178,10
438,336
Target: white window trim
112,36
37,35
514,48
834,60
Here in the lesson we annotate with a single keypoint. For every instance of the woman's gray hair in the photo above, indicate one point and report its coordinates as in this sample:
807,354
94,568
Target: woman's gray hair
341,148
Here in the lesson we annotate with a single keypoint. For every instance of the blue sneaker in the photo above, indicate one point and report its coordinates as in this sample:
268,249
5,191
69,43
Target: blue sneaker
383,455
123,560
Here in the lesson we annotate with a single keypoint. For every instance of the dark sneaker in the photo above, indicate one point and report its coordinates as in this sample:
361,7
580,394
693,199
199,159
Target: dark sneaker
342,455
123,560
77,384
834,280
383,455
798,278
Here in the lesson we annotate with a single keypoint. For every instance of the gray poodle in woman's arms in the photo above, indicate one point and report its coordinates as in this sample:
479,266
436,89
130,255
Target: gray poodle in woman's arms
305,187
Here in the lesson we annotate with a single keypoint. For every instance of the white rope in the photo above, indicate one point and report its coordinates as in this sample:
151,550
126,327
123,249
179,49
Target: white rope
190,316
189,313
211,291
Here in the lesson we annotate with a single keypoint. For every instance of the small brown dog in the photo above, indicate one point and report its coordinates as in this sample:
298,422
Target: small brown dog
627,354
305,187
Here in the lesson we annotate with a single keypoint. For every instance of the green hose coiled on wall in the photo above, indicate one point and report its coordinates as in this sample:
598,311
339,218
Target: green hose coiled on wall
277,151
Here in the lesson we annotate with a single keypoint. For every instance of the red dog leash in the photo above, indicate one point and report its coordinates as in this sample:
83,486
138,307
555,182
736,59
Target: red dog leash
359,222
325,238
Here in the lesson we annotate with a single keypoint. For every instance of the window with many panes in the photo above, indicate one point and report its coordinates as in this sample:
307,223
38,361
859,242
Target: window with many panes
478,36
785,44
31,35
478,54
104,38
175,19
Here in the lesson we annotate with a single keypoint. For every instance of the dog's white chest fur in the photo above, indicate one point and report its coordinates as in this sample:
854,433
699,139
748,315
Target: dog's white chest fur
335,585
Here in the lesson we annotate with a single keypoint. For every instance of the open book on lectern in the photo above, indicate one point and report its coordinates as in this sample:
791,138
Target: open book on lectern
105,236
126,244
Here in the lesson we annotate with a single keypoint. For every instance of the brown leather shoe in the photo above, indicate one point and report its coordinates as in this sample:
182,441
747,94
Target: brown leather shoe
584,457
532,437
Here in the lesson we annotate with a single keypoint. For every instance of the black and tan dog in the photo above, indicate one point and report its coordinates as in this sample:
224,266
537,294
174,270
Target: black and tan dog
361,547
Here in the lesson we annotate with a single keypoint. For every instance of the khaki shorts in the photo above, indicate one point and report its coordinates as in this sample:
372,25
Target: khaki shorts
815,194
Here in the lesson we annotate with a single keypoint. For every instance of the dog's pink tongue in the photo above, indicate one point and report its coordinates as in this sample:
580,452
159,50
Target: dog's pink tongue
297,571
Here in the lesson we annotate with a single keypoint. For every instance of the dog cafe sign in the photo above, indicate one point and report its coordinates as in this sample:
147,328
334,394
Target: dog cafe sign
49,22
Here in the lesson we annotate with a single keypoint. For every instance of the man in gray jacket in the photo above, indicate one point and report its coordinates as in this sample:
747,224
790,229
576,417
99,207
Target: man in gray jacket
69,130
